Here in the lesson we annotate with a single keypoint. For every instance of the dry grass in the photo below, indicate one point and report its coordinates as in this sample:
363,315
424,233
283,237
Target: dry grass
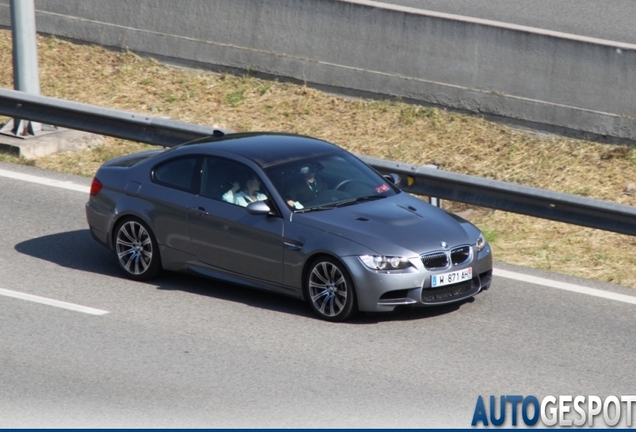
385,129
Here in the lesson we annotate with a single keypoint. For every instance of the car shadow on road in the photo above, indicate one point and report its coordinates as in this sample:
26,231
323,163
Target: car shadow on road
77,250
222,290
72,249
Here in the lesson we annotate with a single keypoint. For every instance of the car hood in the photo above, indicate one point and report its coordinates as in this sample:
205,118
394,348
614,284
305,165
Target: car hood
398,225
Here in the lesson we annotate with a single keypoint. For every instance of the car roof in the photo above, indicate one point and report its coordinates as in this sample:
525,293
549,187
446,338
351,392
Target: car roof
264,148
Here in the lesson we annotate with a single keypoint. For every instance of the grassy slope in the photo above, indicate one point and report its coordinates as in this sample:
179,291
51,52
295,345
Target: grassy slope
390,130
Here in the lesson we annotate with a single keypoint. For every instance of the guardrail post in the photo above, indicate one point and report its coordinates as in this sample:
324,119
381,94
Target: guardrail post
25,64
434,201
437,202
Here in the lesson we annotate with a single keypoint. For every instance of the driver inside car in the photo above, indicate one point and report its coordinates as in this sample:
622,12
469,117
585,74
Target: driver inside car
306,188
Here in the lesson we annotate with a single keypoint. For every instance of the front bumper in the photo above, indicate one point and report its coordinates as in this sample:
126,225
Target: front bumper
381,291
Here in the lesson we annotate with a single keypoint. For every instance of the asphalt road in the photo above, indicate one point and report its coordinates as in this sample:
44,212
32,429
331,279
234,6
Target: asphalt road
188,352
608,19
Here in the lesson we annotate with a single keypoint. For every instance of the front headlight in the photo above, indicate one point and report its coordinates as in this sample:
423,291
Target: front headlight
381,262
481,243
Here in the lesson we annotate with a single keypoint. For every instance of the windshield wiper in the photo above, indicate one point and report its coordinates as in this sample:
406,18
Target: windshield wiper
360,199
310,209
341,203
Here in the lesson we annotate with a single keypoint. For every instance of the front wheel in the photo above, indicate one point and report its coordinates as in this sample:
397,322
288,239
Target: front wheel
330,291
137,250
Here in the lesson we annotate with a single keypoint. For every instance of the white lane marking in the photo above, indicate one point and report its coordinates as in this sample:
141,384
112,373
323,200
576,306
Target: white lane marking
51,302
565,286
497,272
45,181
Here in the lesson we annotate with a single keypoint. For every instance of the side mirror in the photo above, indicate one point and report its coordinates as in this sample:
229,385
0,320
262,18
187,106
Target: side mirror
258,208
393,178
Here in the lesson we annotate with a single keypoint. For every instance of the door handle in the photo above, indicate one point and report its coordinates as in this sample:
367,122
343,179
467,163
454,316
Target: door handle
201,211
293,246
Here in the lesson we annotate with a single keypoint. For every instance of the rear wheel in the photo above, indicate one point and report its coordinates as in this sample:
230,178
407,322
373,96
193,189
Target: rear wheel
330,291
137,250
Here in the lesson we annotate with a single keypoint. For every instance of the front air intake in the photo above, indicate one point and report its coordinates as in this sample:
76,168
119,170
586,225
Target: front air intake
460,255
435,260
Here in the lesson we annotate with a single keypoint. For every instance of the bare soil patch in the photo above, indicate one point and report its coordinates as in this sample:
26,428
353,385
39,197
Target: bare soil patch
386,129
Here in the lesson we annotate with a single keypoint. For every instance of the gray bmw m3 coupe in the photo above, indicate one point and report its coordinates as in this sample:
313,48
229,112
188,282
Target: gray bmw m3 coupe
289,214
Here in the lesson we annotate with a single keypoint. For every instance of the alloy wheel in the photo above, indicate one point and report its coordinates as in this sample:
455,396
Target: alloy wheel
330,291
135,249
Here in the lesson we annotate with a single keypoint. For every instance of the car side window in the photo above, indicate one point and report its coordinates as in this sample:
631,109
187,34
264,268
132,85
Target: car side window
177,173
231,182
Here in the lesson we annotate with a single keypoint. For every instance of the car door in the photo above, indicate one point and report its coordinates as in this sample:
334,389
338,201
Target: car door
224,235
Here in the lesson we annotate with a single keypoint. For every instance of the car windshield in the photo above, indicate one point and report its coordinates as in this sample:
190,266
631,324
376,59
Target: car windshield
328,181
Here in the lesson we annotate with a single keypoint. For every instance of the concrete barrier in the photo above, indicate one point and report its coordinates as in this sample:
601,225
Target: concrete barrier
542,77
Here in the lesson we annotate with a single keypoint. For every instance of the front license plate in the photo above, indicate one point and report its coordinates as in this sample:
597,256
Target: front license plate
452,277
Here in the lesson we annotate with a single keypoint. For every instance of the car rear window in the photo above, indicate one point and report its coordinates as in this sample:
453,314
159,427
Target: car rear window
176,173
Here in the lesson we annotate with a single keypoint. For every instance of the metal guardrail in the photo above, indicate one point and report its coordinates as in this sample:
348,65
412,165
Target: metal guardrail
421,180
541,203
99,120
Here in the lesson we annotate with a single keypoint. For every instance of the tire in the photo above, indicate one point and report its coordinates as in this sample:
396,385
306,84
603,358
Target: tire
137,250
330,291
